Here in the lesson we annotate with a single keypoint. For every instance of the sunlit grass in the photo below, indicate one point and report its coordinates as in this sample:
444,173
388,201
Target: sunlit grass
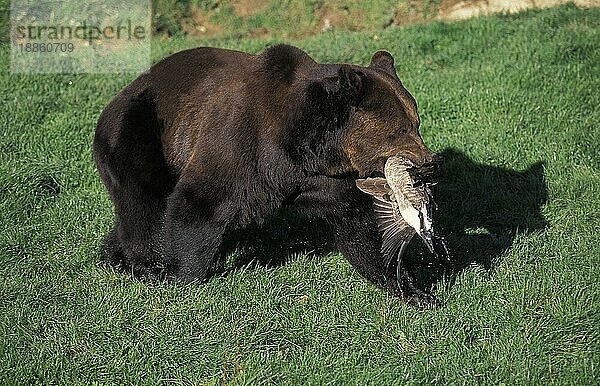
513,103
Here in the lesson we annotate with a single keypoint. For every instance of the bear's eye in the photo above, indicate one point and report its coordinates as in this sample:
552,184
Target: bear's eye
397,133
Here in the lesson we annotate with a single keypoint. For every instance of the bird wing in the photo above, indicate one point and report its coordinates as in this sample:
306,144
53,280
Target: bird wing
403,207
415,200
376,187
396,233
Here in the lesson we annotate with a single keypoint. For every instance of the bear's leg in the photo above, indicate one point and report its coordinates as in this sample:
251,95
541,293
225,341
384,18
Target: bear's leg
192,239
134,244
129,156
111,251
359,241
351,215
138,187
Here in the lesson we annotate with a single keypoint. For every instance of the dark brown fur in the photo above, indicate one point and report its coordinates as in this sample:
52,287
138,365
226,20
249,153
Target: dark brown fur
211,140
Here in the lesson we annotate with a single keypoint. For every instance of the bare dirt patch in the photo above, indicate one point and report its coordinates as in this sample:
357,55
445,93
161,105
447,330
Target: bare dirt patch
245,8
414,11
458,9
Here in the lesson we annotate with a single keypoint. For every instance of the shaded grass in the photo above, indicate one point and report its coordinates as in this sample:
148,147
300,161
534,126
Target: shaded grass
499,95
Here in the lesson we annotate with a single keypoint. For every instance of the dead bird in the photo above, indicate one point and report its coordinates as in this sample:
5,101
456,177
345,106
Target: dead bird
403,205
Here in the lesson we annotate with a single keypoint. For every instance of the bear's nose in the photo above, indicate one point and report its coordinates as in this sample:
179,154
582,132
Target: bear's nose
434,159
426,156
426,168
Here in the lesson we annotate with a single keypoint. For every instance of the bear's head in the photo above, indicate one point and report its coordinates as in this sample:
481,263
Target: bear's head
385,122
380,116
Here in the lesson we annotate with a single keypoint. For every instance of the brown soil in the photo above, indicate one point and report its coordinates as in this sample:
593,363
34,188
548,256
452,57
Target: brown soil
465,9
248,7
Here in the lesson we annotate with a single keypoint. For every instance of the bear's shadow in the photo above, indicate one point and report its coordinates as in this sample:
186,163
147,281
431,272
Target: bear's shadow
481,209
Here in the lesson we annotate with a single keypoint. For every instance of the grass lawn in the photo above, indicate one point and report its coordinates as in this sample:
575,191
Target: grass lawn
511,101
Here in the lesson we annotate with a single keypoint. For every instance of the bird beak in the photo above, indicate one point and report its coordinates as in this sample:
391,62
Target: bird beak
428,239
436,245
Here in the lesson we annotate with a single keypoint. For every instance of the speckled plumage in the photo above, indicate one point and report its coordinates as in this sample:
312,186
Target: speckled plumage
403,206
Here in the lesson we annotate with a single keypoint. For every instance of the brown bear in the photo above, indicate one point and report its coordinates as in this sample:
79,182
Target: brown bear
210,140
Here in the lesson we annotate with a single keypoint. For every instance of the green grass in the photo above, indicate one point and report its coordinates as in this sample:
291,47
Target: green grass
498,95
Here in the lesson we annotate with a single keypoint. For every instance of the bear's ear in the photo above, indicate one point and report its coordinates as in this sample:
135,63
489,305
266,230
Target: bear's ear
347,87
383,60
351,84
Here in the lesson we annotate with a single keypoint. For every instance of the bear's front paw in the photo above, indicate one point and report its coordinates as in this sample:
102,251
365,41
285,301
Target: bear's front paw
420,299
